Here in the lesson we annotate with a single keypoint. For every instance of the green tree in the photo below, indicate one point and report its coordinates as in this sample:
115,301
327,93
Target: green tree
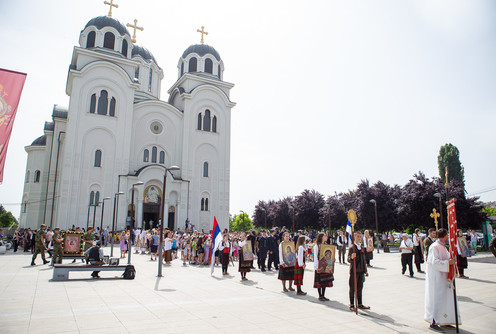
7,219
449,156
241,222
489,210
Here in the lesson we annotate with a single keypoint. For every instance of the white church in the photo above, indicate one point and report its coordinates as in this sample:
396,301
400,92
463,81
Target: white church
117,135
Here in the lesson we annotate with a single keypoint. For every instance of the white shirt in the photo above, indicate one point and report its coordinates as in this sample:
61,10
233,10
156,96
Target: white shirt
315,257
167,244
416,240
406,244
343,237
301,251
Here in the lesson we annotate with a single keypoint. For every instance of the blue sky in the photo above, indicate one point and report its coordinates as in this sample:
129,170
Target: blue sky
327,92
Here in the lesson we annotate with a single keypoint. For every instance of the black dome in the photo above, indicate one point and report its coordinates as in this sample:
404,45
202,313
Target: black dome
143,52
40,141
201,49
105,21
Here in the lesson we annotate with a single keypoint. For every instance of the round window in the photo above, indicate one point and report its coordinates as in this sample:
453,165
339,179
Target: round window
156,127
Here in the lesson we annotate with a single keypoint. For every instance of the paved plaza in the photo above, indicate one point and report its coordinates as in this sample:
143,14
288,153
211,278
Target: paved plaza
188,300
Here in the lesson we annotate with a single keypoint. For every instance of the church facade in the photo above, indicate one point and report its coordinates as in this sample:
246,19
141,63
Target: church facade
109,150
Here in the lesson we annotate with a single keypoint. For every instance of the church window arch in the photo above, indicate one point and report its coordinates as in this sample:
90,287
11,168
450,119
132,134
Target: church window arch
124,47
214,124
218,70
146,155
28,175
162,157
206,204
192,65
93,103
154,154
199,121
136,73
25,206
150,81
109,40
205,199
206,120
92,197
37,176
98,159
97,197
182,69
90,40
103,103
112,107
202,204
209,66
205,169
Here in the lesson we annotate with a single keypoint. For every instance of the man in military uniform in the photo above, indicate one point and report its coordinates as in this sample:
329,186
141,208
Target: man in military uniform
57,241
88,238
39,246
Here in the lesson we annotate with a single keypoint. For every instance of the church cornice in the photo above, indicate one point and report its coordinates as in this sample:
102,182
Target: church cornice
227,101
204,79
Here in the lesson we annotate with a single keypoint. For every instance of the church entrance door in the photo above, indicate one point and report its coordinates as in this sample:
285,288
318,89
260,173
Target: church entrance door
152,199
172,216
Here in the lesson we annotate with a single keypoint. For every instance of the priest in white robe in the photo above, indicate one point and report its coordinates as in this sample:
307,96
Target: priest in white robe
439,304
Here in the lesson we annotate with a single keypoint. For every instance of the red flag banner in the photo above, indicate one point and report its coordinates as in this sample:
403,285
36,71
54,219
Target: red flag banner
452,238
11,84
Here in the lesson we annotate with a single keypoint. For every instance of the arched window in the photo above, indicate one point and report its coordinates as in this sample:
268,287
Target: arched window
199,121
124,48
98,159
145,155
92,197
37,175
150,81
93,103
214,124
162,157
182,69
90,41
218,71
103,103
205,169
97,197
209,66
154,154
202,208
28,175
192,65
136,73
25,206
206,204
206,121
112,107
109,40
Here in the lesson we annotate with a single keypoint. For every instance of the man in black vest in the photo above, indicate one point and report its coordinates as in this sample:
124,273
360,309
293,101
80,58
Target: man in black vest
94,256
273,251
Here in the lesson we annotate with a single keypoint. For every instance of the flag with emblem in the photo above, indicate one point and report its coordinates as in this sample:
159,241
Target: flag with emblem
452,238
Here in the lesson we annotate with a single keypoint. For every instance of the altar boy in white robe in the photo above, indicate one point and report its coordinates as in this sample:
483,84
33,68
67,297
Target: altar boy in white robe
439,305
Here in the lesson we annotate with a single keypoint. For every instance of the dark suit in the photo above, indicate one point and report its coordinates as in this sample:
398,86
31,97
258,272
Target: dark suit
273,252
262,251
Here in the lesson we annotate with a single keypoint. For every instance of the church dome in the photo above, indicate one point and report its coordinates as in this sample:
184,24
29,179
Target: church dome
201,50
40,141
105,21
143,52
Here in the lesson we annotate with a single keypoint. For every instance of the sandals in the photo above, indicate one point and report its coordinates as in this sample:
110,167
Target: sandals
291,289
301,293
363,307
285,290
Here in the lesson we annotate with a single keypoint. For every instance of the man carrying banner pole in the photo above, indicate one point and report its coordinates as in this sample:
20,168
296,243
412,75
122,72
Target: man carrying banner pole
216,241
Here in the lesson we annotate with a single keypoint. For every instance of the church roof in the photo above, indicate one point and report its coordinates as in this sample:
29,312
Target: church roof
105,21
59,111
143,52
201,49
40,141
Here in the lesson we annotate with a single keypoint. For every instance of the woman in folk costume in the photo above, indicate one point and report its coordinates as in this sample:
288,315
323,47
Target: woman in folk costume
368,242
300,265
418,250
322,280
207,246
286,270
225,253
462,252
244,263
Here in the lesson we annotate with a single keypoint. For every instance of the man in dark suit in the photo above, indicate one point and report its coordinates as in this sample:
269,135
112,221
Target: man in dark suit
273,248
262,249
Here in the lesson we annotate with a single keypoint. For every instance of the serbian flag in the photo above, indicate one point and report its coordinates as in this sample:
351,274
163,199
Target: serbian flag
348,230
11,84
452,238
216,240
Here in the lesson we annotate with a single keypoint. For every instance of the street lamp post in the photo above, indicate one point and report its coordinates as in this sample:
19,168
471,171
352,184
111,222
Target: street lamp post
438,195
131,226
329,215
116,203
101,220
265,216
161,238
376,223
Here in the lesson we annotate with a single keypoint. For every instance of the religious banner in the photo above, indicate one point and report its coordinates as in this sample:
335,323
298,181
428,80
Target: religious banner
452,223
247,252
11,84
288,253
73,243
327,257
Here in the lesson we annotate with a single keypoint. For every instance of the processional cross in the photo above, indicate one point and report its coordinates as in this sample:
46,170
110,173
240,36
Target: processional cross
135,26
435,215
111,4
203,32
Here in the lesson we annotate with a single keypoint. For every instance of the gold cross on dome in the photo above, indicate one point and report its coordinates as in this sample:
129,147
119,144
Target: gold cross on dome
135,26
203,32
435,215
111,4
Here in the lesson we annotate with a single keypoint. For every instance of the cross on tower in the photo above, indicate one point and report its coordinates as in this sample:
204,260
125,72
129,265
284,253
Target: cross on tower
435,215
135,26
111,4
203,32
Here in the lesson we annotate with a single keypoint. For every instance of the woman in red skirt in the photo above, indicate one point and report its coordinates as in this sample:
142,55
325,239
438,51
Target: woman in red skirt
286,270
322,280
300,265
244,264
